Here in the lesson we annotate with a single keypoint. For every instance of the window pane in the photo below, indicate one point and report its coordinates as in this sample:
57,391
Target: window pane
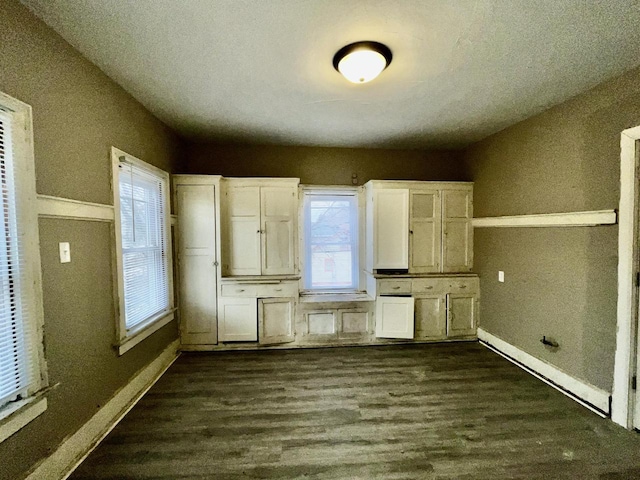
331,241
13,312
144,261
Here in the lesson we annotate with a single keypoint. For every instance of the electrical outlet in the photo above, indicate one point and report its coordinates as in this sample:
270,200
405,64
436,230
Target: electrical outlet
501,276
65,252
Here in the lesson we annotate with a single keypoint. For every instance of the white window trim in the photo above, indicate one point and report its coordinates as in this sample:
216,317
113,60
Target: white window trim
329,190
127,339
16,415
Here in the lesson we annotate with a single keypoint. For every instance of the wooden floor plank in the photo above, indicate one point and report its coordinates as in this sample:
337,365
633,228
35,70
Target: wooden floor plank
441,411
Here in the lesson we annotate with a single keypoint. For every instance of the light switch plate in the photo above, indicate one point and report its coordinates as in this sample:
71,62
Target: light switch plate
65,252
501,276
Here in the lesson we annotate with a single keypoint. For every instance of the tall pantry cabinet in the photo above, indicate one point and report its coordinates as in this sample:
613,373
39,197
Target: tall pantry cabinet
197,200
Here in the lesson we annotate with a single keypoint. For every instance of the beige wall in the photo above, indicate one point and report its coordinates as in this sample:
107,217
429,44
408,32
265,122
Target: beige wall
560,282
78,115
323,166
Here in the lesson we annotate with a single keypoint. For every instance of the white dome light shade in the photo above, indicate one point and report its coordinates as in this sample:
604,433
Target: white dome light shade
362,66
361,62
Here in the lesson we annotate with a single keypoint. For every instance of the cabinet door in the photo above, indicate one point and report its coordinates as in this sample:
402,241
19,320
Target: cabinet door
276,320
243,231
431,317
457,214
278,206
394,317
425,232
238,319
391,228
461,313
197,264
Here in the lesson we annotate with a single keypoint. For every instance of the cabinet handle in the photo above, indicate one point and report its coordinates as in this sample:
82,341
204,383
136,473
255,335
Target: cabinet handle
396,288
428,288
462,286
278,289
241,290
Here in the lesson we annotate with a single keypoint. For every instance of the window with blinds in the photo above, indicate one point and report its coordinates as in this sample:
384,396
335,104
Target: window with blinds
143,234
331,240
16,360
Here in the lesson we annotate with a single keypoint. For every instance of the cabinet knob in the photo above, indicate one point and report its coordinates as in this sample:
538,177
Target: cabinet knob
411,232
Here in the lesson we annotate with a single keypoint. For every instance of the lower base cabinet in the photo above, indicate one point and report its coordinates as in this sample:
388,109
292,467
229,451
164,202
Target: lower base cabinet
276,320
431,317
237,319
445,307
257,312
394,317
461,315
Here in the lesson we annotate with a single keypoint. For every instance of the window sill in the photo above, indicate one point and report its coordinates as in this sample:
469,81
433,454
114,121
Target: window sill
17,415
144,331
334,297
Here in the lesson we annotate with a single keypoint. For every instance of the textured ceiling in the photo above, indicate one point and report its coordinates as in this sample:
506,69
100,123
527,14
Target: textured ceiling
260,71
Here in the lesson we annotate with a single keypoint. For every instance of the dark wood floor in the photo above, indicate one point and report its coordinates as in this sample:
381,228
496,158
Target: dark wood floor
455,411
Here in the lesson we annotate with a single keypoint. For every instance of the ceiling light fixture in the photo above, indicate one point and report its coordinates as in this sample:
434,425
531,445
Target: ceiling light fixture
361,62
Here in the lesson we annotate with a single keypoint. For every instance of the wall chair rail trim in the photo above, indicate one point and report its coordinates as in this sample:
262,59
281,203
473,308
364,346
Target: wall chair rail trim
58,207
567,219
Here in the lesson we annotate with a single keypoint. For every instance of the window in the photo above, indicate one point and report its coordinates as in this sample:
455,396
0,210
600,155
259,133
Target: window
331,239
22,369
143,244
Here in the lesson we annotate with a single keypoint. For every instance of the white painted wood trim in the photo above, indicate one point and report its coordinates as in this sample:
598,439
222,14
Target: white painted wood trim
57,207
568,219
20,415
622,395
590,395
150,328
75,449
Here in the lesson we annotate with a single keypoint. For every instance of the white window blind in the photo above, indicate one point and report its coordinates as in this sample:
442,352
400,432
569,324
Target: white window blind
331,240
16,359
144,243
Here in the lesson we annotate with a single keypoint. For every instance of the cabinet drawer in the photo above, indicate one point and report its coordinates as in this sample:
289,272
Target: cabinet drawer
239,290
463,285
386,287
428,286
285,289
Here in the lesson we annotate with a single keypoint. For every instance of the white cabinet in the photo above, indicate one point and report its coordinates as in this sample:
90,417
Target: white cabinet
457,249
446,307
251,311
419,227
461,314
431,317
260,226
237,319
276,320
425,231
394,317
197,257
390,228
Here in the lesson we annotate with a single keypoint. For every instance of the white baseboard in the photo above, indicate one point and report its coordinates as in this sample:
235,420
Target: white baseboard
75,449
587,394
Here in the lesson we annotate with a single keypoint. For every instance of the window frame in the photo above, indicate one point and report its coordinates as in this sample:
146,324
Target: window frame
17,414
129,338
354,191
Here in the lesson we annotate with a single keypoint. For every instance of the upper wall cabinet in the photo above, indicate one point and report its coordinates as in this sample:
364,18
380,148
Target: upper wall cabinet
419,227
259,226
